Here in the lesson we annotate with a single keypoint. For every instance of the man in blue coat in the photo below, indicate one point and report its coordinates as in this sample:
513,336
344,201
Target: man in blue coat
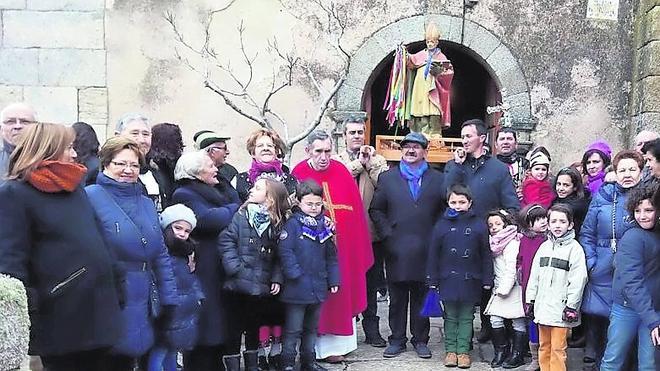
489,180
408,200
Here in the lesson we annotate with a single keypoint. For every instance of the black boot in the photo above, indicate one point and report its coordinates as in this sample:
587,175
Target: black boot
517,357
308,363
262,363
288,363
232,362
275,361
372,332
500,346
250,360
486,330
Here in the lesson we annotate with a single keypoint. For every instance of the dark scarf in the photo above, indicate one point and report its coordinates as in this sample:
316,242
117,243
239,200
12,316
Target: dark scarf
257,168
508,159
56,176
177,246
413,176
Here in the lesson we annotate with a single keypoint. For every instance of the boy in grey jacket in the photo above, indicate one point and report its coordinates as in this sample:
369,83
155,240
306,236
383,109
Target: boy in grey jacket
556,283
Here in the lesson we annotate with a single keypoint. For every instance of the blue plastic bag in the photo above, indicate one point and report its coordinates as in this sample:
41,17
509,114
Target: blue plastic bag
432,306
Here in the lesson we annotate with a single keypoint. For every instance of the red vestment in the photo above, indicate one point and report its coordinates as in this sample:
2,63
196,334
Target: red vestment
344,205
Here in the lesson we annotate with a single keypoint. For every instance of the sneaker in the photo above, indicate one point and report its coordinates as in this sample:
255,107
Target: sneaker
333,359
464,361
451,360
393,350
422,350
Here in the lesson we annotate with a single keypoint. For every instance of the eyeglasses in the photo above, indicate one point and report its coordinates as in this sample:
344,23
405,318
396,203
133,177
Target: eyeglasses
126,165
17,121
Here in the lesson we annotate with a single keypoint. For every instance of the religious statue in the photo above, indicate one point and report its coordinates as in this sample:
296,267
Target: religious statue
431,88
419,89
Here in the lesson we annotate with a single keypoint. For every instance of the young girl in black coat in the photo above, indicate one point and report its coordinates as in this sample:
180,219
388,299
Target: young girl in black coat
253,276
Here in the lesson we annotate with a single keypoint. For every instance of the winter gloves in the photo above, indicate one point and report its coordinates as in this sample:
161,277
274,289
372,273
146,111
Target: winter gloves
570,315
529,310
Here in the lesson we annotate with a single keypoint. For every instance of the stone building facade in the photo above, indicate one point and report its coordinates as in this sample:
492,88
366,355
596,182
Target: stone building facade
571,71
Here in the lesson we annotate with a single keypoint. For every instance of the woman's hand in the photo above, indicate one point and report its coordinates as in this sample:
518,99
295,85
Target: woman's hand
334,289
274,288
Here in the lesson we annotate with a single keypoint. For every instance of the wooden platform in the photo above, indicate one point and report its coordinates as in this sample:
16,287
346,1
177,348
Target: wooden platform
440,150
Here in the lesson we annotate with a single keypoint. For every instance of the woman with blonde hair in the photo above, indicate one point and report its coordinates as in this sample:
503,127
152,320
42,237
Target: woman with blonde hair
51,243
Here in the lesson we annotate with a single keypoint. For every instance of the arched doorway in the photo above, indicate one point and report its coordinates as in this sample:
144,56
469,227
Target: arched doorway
488,63
473,89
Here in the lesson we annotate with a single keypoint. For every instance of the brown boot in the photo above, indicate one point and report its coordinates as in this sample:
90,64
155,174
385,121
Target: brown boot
464,361
451,360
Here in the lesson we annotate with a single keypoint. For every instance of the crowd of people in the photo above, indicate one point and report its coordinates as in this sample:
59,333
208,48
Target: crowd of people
133,252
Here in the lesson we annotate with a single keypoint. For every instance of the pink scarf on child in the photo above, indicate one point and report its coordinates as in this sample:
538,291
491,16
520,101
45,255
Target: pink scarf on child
502,238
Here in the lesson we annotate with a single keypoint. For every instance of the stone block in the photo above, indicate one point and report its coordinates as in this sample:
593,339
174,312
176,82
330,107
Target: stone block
646,5
520,110
10,94
93,106
501,60
649,60
57,29
646,121
513,80
652,29
349,98
18,66
72,67
83,5
650,94
483,42
59,105
12,4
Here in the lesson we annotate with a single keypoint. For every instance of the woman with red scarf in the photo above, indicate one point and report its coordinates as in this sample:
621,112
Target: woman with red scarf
51,243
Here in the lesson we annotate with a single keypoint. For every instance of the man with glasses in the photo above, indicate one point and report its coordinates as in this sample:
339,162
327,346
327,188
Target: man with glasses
136,127
216,147
409,199
13,119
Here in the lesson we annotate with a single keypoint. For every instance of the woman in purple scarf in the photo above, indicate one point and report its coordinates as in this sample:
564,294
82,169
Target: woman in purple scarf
265,147
595,160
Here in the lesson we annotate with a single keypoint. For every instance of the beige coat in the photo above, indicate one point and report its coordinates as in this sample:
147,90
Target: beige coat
367,177
506,301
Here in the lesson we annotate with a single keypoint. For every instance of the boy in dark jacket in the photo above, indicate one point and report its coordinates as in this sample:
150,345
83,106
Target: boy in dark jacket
179,331
459,265
309,262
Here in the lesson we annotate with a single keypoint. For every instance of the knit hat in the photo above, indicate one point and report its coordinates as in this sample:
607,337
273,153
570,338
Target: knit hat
175,213
539,158
205,138
602,147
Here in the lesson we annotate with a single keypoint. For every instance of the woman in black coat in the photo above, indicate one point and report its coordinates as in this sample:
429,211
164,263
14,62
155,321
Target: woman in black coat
51,243
570,191
196,177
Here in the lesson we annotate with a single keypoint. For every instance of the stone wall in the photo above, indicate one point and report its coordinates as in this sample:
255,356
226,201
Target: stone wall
645,110
52,55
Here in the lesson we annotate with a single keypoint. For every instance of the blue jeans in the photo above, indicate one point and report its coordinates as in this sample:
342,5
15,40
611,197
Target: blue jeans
302,321
162,359
625,326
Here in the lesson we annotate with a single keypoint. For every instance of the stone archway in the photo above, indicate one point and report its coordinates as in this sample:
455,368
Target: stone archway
497,59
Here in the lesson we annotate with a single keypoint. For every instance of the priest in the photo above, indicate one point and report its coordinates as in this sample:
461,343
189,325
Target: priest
337,331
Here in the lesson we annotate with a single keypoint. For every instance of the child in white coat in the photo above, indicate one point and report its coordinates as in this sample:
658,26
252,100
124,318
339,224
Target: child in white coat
506,301
555,287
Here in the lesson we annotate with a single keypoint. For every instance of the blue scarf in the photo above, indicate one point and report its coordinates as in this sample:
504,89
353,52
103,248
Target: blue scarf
258,217
429,61
413,176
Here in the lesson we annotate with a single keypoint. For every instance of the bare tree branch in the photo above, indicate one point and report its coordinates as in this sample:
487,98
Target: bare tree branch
263,123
